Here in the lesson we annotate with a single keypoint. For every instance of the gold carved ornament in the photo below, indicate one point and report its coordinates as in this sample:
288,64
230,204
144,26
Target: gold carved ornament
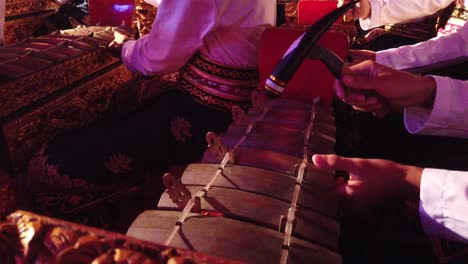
29,238
143,17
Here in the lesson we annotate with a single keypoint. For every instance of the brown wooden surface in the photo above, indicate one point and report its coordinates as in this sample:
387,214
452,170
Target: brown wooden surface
292,144
313,196
276,162
227,238
265,211
268,128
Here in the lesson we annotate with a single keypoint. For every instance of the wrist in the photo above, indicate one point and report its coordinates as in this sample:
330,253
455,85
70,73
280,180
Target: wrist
413,176
430,88
364,7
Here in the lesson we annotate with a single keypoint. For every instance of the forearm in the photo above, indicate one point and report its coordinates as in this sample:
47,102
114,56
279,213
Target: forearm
174,37
139,56
413,176
428,52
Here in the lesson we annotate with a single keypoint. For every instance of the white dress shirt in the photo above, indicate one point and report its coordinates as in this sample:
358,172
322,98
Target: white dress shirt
444,204
448,117
227,32
444,194
384,12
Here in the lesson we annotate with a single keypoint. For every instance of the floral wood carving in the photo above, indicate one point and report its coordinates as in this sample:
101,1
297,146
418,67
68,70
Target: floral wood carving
21,28
31,238
143,16
73,110
22,7
179,193
17,94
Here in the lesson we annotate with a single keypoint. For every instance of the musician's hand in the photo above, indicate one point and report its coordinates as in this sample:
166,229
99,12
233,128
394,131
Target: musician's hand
115,47
390,87
361,10
372,181
358,56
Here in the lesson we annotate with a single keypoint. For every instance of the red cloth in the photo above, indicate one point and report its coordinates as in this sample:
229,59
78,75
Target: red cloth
313,78
309,11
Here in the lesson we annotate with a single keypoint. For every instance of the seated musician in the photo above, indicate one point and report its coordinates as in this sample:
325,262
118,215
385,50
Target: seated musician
433,105
213,44
375,13
70,12
368,131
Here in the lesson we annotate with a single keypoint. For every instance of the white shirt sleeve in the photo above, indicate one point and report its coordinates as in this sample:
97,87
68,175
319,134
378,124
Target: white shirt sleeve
61,2
444,203
448,117
436,50
174,38
385,12
155,3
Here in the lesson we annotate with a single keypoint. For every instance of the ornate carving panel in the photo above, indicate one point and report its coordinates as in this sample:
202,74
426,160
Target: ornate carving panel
17,94
143,16
23,7
82,105
32,238
21,28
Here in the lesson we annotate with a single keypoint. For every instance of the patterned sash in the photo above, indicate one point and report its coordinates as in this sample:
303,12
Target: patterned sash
215,85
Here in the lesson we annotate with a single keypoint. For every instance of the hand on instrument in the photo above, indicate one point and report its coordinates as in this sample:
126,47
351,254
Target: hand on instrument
358,56
390,88
116,45
371,180
361,10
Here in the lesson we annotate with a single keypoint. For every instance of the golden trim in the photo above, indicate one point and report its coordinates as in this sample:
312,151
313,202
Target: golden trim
59,241
273,91
209,99
20,93
143,17
218,64
223,71
18,29
217,79
277,81
215,85
23,7
228,95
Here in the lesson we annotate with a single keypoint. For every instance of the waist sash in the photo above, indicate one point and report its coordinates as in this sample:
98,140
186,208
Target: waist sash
216,85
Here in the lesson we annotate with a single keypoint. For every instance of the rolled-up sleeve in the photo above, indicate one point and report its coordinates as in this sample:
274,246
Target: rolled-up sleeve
448,116
177,33
436,50
444,203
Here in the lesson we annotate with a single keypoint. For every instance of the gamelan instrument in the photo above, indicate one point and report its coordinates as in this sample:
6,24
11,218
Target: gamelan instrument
256,196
